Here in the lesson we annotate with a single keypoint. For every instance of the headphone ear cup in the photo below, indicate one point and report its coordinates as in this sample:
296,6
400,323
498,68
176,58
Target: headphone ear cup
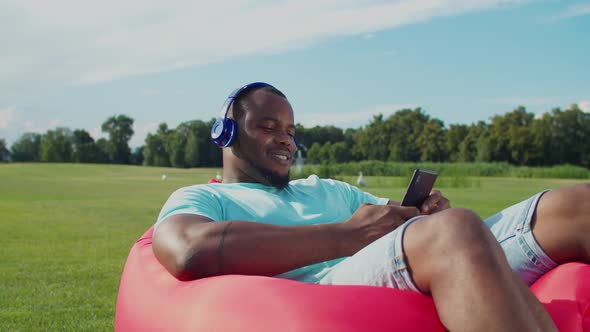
232,132
218,132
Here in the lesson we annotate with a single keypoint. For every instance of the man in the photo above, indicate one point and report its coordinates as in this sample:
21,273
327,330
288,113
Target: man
323,231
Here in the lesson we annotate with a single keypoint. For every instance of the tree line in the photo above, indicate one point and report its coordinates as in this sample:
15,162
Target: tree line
408,135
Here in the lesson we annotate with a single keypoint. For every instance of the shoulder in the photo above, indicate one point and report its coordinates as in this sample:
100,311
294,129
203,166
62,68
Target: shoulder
200,199
200,194
313,182
197,189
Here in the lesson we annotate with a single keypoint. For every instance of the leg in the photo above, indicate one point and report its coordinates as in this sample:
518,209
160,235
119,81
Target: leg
453,256
561,224
536,308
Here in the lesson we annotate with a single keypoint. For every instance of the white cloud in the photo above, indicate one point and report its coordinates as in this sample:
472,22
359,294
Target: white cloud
350,119
96,133
574,10
140,131
7,115
53,123
584,105
87,42
30,126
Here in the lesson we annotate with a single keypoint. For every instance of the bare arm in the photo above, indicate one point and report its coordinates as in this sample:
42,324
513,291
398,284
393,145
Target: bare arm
192,246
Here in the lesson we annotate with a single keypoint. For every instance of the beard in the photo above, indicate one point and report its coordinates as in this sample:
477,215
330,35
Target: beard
276,180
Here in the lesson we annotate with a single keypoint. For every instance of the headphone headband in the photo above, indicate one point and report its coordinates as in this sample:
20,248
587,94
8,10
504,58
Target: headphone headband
232,96
223,132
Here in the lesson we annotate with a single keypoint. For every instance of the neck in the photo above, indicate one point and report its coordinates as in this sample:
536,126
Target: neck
236,170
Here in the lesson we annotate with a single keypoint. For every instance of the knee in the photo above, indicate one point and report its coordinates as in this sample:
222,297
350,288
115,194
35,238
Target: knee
578,193
462,235
580,211
461,229
582,191
450,241
570,202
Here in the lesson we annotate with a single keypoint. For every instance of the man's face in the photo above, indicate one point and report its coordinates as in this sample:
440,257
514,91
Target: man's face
265,142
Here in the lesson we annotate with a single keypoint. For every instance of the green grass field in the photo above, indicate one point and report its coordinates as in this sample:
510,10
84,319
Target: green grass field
67,229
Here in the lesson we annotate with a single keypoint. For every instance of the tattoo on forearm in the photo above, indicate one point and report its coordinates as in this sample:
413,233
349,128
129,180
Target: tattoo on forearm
220,248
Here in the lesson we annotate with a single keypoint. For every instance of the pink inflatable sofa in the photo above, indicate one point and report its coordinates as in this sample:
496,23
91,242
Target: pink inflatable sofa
150,299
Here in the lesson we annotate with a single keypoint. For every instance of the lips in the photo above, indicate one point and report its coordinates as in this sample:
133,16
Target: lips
281,156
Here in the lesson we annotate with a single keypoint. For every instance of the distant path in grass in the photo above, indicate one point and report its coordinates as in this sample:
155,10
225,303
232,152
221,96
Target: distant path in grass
67,229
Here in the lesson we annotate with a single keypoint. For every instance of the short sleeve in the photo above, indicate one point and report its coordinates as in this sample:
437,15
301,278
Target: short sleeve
353,195
359,197
198,200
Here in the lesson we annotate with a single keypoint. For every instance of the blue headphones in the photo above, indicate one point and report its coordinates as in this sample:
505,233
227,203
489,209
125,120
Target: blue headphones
224,130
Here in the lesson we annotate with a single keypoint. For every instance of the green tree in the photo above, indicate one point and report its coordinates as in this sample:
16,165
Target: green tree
137,155
454,137
432,141
349,134
372,141
320,134
325,152
26,148
469,147
339,153
155,153
175,144
56,145
570,141
314,154
213,152
199,149
84,148
4,153
405,127
192,151
540,151
510,136
120,130
483,150
102,149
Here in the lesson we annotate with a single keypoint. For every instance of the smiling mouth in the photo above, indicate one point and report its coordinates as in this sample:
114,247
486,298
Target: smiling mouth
282,157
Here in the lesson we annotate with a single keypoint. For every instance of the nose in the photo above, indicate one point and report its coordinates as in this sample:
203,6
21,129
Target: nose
284,138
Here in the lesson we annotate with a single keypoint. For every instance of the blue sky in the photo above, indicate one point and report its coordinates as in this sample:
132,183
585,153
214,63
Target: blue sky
73,64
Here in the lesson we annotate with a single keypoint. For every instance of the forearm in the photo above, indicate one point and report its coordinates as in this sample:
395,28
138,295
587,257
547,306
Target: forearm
241,247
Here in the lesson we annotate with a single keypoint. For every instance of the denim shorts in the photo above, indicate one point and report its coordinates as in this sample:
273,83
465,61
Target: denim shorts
383,263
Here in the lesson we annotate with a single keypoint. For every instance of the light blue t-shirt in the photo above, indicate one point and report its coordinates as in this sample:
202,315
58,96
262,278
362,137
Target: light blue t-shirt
303,202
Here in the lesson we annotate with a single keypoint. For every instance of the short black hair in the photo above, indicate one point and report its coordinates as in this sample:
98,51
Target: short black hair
239,104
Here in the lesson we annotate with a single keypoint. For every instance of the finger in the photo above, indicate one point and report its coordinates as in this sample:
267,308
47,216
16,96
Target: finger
444,204
407,212
430,204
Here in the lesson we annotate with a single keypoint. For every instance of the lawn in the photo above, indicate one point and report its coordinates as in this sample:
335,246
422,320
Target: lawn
67,228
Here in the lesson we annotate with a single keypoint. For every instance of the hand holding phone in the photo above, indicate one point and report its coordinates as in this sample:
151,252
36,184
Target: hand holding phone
419,188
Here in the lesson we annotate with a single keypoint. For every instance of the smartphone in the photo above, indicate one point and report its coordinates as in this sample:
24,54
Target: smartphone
419,188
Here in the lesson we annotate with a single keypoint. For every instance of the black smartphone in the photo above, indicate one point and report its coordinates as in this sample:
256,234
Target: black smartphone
419,188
